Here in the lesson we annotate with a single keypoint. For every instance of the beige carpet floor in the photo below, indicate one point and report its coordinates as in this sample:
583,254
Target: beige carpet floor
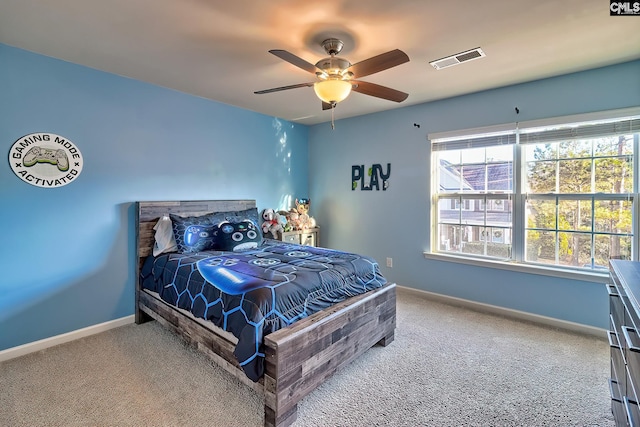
448,366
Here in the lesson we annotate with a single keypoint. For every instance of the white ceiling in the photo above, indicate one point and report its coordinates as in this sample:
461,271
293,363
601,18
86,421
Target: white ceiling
219,49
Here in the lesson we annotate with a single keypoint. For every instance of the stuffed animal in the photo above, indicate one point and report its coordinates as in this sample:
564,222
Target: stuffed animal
284,220
304,220
293,218
302,206
271,222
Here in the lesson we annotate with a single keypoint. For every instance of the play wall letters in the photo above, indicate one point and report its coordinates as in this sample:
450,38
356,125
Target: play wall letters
374,178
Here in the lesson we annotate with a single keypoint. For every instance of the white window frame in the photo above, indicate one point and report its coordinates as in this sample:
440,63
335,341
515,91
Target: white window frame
517,262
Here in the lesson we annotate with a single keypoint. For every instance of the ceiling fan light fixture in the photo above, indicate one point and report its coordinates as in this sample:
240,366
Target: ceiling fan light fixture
337,77
332,90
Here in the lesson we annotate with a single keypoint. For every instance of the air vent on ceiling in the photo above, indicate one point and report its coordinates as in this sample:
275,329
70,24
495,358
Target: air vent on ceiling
458,58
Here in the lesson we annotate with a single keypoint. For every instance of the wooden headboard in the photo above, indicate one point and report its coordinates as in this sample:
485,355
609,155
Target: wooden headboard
148,214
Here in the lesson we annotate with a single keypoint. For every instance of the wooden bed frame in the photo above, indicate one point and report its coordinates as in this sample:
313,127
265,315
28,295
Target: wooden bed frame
299,357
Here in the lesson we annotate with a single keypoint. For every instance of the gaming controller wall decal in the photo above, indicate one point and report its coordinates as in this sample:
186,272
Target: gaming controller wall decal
45,160
46,155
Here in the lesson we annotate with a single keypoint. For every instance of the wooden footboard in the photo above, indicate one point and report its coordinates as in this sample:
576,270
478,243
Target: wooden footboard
299,357
302,356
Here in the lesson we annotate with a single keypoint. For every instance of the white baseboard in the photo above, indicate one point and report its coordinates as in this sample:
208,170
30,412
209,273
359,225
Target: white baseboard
521,315
21,350
31,347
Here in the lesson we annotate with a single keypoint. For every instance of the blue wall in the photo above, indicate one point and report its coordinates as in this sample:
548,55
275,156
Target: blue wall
68,253
395,223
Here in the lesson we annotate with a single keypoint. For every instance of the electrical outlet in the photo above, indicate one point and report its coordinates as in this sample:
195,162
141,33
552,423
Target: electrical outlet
390,262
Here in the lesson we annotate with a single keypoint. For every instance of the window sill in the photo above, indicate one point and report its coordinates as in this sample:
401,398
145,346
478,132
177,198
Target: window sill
587,276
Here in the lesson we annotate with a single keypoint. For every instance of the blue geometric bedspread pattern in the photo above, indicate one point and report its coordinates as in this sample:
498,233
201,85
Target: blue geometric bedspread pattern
256,292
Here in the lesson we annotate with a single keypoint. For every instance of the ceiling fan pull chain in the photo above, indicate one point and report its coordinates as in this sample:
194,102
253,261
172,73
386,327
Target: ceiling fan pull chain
333,107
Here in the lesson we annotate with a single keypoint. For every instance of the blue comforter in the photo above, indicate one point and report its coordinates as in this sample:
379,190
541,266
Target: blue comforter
256,292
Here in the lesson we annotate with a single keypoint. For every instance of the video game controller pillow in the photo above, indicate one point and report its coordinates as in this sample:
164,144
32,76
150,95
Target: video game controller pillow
237,236
194,233
250,214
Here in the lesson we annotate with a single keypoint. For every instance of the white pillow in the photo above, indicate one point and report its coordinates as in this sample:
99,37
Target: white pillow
164,239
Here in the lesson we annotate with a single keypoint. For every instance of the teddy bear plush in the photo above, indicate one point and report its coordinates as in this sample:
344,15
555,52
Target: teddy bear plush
293,218
271,222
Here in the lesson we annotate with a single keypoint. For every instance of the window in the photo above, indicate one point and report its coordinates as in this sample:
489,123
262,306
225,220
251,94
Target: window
551,194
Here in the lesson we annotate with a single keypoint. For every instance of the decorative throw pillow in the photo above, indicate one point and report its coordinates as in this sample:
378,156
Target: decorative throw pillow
194,233
164,239
237,236
250,214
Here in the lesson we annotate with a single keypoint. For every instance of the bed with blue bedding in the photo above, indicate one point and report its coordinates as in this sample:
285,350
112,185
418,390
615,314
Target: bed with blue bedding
296,313
256,292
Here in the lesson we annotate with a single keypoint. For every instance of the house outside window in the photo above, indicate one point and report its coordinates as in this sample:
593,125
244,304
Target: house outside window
560,193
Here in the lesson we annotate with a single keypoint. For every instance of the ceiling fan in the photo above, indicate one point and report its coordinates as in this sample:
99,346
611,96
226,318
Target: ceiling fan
337,77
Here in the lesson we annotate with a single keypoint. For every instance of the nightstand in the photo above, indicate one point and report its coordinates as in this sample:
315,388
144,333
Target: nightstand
308,237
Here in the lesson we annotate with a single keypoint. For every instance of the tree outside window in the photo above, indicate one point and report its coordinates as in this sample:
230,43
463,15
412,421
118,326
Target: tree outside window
573,194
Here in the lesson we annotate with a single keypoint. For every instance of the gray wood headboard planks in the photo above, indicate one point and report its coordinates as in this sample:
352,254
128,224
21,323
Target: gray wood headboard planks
149,212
